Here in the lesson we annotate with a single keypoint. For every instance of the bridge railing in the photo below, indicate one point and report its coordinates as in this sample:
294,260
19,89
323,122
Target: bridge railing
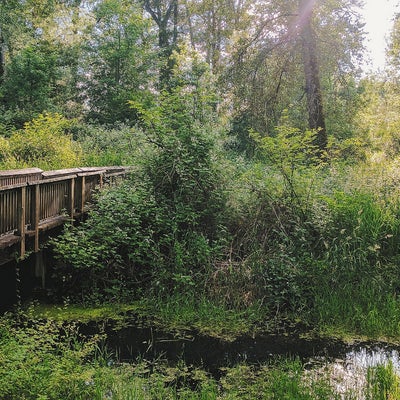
32,201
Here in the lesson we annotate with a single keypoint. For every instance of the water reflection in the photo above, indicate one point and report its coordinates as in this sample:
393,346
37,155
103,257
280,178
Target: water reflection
372,356
348,374
194,349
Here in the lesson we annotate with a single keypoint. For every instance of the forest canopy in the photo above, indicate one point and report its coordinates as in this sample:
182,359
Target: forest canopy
87,60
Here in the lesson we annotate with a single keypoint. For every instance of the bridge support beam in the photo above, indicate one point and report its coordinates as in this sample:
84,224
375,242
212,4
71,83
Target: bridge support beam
40,268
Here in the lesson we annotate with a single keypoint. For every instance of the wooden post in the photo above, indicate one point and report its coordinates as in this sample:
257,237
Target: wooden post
40,268
22,218
83,194
71,204
36,214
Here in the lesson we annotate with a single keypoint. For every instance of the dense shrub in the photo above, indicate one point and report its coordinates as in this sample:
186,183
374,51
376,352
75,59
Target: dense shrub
110,145
118,248
160,229
42,143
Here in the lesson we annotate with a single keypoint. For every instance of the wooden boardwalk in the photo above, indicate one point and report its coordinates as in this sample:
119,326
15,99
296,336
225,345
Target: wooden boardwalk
33,202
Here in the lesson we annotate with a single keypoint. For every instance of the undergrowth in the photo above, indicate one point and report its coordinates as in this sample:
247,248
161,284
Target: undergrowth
48,360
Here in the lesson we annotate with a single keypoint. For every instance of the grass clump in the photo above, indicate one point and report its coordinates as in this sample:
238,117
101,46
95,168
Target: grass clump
185,312
80,313
382,383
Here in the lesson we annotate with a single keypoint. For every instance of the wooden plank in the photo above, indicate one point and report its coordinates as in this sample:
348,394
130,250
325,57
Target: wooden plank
9,240
47,224
92,169
51,223
91,173
60,173
13,186
18,172
57,179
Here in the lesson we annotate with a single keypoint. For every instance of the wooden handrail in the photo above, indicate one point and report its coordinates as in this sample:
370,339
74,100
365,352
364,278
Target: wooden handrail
27,208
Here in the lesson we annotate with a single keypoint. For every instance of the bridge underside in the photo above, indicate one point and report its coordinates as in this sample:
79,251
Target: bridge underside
10,244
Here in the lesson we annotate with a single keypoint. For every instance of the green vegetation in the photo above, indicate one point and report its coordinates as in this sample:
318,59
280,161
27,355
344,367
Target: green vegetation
312,244
81,314
44,142
264,194
52,360
382,383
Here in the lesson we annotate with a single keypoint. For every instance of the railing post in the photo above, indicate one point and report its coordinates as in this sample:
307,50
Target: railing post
22,218
83,193
36,214
71,202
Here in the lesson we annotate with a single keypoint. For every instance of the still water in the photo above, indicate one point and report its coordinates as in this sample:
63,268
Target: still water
212,354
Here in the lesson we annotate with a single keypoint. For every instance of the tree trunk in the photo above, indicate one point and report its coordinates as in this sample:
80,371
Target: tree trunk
316,118
2,58
167,39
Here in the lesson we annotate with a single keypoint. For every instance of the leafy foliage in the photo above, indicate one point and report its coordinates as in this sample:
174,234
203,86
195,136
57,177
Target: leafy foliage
45,360
164,222
29,85
118,248
117,60
44,142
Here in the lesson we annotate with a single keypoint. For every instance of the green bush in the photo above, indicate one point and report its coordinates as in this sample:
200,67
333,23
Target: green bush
161,228
119,247
360,233
110,145
43,143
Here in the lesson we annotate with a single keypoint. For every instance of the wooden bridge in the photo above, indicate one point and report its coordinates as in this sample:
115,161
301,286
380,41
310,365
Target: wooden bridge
32,202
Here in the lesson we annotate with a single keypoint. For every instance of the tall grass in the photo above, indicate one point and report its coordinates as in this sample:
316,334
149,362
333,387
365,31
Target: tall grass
190,310
357,285
357,310
382,383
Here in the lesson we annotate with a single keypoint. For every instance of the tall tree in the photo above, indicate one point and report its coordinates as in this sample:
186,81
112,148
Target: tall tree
165,14
393,50
316,118
27,67
300,53
214,25
116,63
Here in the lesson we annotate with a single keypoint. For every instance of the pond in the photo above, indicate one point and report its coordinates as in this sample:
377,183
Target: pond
346,364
